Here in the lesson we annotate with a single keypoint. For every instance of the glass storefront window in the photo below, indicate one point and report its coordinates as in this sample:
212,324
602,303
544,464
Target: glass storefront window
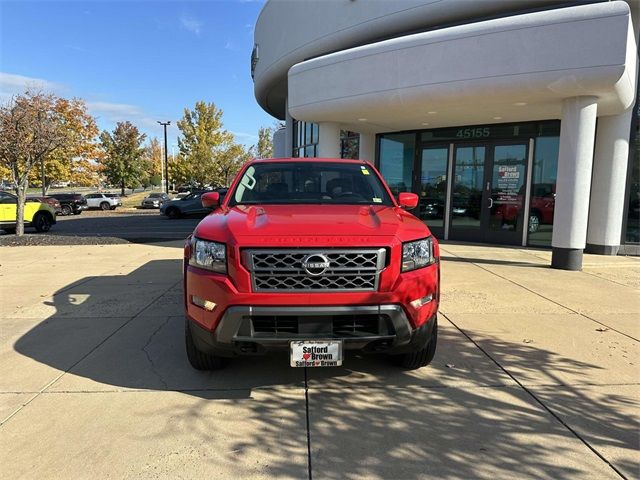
305,139
433,185
543,191
632,232
349,144
397,153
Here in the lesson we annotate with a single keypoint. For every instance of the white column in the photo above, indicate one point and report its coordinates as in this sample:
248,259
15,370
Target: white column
573,184
608,185
367,147
329,140
288,138
279,143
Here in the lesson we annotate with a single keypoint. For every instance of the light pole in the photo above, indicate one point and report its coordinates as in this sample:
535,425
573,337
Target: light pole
166,161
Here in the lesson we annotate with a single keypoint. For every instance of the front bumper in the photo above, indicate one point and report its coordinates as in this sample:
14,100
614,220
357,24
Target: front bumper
236,335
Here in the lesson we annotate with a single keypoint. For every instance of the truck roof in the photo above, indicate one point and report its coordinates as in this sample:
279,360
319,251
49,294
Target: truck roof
306,159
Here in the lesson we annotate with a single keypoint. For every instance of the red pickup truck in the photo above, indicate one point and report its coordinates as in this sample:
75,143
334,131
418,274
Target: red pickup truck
314,257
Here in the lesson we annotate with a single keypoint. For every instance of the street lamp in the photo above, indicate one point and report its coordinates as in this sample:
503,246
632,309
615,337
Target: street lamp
166,161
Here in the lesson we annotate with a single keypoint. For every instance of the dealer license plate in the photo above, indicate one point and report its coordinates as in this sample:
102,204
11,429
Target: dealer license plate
316,353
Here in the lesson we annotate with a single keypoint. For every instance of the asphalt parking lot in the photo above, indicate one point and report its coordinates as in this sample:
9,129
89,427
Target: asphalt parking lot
532,378
114,226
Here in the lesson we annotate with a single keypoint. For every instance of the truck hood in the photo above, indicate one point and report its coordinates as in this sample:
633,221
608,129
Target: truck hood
282,221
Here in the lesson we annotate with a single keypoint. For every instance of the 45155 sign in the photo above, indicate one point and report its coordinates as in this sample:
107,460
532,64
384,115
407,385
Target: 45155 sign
481,132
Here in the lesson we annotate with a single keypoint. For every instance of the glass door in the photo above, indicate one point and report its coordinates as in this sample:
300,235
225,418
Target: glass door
432,187
467,192
488,190
507,192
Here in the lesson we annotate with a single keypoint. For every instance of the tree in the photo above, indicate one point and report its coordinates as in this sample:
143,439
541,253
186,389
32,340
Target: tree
31,129
264,147
153,159
204,145
229,162
123,160
75,159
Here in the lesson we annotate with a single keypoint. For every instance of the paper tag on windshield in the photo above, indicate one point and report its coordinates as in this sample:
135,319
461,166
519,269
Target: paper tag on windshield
365,171
377,200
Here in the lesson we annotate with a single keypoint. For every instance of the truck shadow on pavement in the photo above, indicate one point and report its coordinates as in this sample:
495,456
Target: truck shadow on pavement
461,417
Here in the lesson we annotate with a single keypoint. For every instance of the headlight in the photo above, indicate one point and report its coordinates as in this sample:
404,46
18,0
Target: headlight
417,254
209,255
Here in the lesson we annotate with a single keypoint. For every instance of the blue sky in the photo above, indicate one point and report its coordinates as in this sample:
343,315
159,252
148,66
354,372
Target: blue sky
136,60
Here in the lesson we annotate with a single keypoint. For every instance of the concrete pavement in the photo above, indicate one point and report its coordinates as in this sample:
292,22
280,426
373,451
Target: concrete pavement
536,376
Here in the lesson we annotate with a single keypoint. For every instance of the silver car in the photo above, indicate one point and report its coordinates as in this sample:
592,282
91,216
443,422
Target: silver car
155,200
102,201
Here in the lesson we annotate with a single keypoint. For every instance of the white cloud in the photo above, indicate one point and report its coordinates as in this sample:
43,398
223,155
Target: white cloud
247,139
191,24
114,111
121,112
12,84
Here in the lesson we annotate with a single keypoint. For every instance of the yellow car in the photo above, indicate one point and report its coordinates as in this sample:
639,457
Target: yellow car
36,214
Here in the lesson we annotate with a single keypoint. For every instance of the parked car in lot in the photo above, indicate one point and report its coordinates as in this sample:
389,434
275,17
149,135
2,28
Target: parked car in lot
189,205
52,202
311,257
71,203
37,214
116,196
154,200
102,201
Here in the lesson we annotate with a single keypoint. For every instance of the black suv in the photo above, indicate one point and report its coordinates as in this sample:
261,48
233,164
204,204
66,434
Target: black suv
71,203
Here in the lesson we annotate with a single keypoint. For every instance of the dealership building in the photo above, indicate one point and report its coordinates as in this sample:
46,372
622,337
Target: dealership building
515,121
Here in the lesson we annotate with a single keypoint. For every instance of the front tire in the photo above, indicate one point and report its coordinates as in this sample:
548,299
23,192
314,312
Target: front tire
66,210
198,359
424,356
42,222
105,206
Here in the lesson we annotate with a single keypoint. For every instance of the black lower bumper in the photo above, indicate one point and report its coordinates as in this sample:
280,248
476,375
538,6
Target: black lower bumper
236,336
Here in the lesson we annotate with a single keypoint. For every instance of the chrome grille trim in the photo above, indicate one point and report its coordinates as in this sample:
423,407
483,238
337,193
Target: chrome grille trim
280,270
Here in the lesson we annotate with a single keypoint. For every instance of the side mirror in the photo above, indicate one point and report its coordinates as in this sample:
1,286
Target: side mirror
408,200
210,199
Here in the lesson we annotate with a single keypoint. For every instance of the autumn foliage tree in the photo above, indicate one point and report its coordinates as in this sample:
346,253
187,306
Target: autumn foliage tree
75,159
31,130
208,152
264,147
123,160
153,161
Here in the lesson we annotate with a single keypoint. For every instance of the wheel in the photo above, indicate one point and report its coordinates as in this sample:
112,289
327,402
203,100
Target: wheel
200,360
422,357
534,223
113,208
78,212
105,206
42,222
173,213
66,210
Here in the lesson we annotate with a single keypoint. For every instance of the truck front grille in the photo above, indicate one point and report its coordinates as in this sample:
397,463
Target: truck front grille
317,270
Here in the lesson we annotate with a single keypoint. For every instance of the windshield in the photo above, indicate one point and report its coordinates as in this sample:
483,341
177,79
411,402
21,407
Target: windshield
294,183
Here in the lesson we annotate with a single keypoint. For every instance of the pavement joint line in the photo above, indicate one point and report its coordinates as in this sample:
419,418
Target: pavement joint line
609,280
550,300
52,382
534,397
